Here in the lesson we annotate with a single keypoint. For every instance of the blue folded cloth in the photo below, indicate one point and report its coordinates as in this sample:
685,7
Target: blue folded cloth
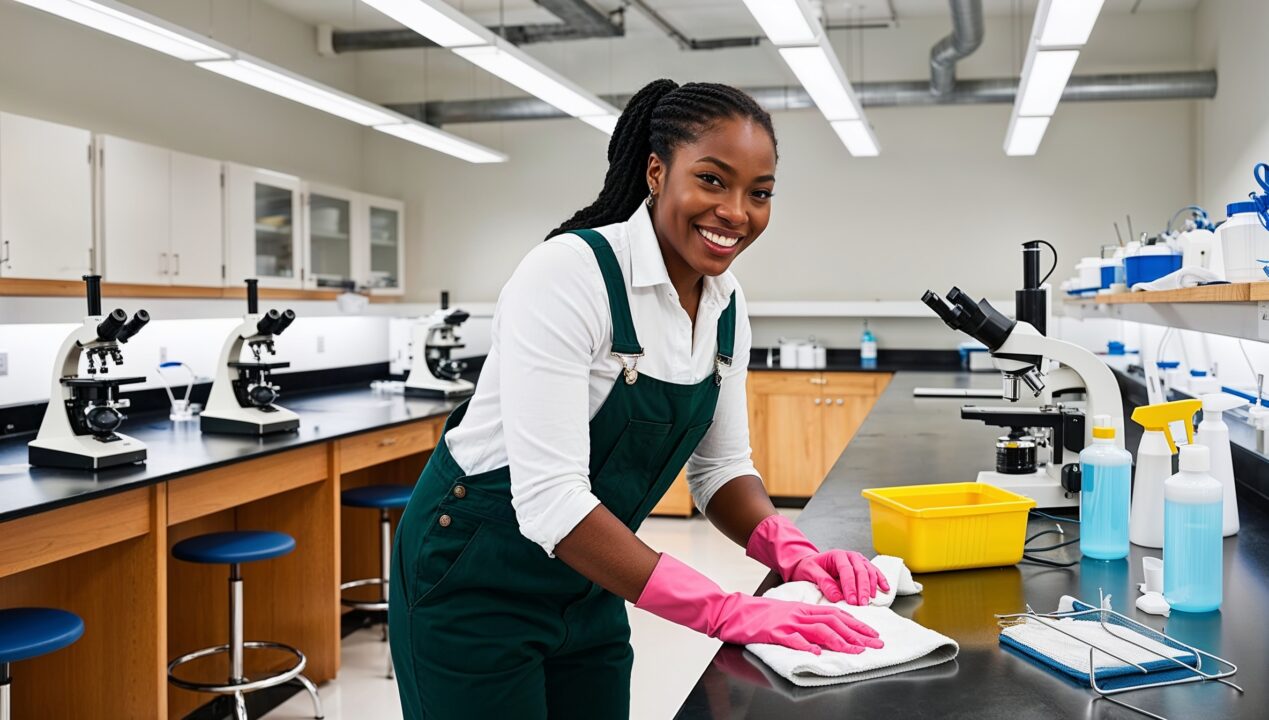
1041,643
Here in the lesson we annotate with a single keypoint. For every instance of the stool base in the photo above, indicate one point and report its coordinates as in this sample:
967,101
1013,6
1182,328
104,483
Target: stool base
239,689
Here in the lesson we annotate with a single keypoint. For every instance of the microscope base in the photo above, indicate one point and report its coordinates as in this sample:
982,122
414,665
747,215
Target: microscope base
1038,485
459,389
85,453
238,426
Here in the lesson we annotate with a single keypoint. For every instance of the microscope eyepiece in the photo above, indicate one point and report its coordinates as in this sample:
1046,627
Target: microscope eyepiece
108,329
284,322
268,324
134,326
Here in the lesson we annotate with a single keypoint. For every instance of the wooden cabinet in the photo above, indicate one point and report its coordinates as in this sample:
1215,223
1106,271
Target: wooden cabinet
160,215
800,422
46,199
677,500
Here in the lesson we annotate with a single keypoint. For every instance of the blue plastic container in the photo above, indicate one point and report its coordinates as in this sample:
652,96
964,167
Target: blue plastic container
1108,276
1145,268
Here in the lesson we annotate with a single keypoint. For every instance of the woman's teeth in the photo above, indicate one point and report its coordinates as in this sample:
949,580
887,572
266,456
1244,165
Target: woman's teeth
718,239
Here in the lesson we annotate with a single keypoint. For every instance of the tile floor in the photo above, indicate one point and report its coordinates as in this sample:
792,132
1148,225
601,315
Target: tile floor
668,658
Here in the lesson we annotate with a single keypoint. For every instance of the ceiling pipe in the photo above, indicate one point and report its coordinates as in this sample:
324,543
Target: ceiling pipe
1187,85
967,35
579,21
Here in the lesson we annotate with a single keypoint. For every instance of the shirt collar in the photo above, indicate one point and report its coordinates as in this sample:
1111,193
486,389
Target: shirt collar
647,265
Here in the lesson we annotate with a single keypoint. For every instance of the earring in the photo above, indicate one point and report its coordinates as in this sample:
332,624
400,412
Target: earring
651,198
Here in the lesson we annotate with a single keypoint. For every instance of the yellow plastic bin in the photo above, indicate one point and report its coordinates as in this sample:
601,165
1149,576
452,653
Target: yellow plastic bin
950,526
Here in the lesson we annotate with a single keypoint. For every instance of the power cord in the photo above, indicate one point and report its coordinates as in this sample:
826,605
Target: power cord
1027,552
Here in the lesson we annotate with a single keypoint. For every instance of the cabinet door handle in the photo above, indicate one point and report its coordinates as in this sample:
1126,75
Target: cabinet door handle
178,263
7,256
387,442
841,401
819,381
162,263
817,401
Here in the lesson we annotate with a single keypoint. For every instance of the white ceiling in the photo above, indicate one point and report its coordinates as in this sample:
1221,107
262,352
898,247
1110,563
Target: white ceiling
696,18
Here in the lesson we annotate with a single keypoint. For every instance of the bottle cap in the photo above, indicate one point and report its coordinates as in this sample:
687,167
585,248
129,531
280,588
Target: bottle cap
1102,429
1174,419
1219,402
1196,458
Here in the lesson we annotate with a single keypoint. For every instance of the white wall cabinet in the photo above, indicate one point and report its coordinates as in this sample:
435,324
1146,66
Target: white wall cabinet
46,199
329,245
383,244
264,227
161,215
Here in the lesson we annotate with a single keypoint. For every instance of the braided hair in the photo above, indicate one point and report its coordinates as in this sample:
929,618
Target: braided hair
658,119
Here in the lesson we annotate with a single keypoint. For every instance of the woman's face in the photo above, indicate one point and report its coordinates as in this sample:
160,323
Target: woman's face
714,199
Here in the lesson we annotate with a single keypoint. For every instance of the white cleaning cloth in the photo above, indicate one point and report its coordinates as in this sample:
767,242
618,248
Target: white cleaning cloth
1185,277
1072,653
909,646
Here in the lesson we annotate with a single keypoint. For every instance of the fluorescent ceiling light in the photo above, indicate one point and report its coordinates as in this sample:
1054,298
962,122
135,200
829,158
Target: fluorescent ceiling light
1066,23
307,92
435,20
441,141
857,137
604,123
1043,81
819,72
536,79
785,22
1025,134
131,25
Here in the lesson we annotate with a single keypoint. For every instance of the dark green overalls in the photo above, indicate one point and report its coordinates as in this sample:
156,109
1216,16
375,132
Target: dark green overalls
483,623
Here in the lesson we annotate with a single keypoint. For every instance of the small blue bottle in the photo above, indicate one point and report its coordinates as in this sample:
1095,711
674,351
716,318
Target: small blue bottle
1193,503
1105,494
867,349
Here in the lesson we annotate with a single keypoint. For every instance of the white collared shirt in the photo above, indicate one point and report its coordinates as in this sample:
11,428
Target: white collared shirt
549,370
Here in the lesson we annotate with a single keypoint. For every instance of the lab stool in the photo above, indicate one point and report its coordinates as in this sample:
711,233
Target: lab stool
233,549
382,498
30,632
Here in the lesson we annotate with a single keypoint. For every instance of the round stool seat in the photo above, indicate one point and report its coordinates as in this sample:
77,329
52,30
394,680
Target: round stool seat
31,632
238,546
380,497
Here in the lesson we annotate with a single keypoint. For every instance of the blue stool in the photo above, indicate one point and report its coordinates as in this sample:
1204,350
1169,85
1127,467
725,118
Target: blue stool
30,632
382,498
233,549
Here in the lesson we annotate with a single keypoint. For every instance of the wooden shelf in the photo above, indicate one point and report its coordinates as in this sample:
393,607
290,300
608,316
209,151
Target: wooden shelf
13,287
1232,293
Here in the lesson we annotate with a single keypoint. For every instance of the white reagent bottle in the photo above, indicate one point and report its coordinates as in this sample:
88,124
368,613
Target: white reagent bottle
1214,434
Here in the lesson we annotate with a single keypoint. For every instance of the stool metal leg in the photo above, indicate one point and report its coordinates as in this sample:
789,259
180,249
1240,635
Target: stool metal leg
4,691
385,564
312,693
240,707
236,673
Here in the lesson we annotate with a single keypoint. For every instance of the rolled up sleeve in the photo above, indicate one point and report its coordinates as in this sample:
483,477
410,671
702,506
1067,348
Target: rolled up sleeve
550,319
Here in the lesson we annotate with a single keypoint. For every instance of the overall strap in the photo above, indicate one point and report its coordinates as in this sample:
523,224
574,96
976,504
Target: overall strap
624,340
726,339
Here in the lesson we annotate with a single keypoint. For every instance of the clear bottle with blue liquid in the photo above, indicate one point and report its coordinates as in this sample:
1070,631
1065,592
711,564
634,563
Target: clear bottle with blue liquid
867,349
1105,494
1193,503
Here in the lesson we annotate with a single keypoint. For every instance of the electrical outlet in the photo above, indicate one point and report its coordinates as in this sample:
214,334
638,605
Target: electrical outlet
4,364
321,343
162,354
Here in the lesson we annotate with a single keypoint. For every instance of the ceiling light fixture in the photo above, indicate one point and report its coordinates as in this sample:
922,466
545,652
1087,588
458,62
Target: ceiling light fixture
132,25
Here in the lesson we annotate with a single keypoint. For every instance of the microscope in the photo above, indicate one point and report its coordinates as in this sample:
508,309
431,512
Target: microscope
433,373
78,430
242,396
1047,368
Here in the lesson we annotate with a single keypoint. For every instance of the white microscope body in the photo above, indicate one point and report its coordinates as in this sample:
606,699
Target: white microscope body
242,396
78,430
432,372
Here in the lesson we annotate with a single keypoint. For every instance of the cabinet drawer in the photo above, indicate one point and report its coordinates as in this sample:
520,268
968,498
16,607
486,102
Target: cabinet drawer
372,448
787,383
855,383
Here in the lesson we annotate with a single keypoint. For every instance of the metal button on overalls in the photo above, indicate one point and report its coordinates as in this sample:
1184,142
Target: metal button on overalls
486,625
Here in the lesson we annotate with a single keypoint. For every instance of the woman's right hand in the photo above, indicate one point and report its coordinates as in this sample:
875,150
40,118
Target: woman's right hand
681,595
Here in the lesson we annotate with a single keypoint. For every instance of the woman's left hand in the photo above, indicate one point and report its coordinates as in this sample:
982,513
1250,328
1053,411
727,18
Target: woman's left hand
841,575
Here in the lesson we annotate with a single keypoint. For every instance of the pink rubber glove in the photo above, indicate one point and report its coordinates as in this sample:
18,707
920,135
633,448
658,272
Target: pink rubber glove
839,574
683,596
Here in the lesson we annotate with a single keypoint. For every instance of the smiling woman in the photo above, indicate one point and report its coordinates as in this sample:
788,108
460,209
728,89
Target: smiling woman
610,368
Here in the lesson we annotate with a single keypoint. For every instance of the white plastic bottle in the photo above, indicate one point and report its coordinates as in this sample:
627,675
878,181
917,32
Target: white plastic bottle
1192,547
1244,243
1214,434
1166,425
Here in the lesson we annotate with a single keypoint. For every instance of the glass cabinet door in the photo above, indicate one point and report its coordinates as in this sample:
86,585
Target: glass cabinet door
385,247
275,231
330,240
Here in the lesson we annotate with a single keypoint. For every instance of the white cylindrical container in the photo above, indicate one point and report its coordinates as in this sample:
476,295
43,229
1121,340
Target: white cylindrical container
788,354
1089,271
1244,243
821,357
806,356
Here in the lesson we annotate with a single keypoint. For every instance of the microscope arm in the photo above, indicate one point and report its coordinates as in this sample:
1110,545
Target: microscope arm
1098,379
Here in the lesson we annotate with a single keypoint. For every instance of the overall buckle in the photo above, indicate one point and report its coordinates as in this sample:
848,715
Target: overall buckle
719,362
629,370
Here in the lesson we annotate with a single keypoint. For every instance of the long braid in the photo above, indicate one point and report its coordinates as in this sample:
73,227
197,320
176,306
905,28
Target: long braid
659,118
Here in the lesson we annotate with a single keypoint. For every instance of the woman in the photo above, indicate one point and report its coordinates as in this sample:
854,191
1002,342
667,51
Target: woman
619,353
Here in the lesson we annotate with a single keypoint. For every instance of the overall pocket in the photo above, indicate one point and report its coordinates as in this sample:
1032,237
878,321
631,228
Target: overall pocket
668,471
631,468
440,559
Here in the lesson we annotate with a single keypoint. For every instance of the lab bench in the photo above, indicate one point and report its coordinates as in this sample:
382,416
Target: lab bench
98,545
906,441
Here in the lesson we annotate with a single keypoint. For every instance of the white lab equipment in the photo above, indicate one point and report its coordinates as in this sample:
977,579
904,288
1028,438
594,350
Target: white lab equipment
788,354
1192,548
1166,426
1244,242
1214,434
182,410
1199,248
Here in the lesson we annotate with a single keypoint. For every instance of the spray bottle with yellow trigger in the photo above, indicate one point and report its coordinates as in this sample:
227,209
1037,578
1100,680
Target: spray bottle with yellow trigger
1166,425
